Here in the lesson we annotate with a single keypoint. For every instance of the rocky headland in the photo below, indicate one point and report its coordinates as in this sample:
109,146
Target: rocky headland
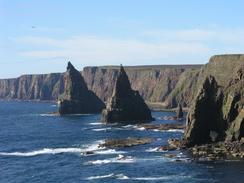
215,120
213,92
125,104
77,99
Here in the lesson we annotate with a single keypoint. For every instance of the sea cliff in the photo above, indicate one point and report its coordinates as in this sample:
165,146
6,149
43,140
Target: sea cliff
156,84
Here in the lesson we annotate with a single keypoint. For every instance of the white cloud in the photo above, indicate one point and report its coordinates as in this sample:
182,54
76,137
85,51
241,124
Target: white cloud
220,35
183,46
94,50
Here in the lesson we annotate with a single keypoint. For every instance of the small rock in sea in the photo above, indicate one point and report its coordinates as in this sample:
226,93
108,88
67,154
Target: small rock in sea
128,142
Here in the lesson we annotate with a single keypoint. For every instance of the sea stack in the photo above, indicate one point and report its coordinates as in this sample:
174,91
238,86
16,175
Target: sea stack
125,105
179,112
77,99
204,120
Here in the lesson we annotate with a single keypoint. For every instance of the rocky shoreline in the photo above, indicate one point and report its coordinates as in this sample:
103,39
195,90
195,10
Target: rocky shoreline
214,126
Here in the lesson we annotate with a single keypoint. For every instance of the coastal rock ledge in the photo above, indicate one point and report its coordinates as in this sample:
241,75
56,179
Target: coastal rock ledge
125,105
77,99
215,122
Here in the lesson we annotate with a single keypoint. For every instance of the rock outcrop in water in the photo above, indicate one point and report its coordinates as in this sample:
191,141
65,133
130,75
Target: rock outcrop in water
77,99
204,117
128,142
179,112
125,105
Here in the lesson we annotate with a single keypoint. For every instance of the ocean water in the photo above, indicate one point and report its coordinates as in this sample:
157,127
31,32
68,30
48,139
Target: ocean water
39,147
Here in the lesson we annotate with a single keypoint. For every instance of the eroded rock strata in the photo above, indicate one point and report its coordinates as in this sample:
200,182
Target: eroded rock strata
156,84
125,105
205,115
77,99
215,122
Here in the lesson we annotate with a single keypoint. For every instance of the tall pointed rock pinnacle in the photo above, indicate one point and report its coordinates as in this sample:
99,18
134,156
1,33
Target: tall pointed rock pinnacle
125,104
77,99
179,112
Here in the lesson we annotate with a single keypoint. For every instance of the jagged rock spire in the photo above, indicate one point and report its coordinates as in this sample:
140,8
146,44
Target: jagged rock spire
122,86
204,117
125,105
77,99
179,112
74,83
70,66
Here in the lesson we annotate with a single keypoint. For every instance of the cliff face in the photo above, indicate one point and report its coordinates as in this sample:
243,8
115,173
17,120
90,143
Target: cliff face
217,111
32,87
154,83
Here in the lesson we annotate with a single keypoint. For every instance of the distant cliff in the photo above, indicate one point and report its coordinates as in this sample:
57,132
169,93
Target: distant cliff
32,87
154,83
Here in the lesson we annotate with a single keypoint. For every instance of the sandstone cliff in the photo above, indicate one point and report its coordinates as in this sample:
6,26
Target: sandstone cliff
32,87
154,83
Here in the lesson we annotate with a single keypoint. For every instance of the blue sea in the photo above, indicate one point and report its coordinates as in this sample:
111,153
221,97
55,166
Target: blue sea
39,147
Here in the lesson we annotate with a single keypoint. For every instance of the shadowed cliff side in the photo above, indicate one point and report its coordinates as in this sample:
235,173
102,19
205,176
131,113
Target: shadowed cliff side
77,99
205,116
217,113
125,105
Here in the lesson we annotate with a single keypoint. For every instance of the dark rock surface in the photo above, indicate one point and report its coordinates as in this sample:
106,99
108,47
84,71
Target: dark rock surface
163,127
125,105
77,99
128,142
205,115
179,112
215,123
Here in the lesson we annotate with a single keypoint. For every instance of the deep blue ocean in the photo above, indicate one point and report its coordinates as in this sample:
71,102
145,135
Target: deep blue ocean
39,147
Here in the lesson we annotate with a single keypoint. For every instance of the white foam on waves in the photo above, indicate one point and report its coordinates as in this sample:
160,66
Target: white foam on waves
95,123
156,149
43,151
112,175
119,159
135,127
176,130
86,148
124,177
170,130
101,129
48,115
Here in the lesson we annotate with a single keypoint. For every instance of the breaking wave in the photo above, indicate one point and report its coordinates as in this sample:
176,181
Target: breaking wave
119,159
95,148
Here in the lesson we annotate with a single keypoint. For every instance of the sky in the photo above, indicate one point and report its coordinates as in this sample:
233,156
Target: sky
42,36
